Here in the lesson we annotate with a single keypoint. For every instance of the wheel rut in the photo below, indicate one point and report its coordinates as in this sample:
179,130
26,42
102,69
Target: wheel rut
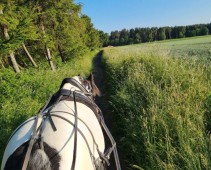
99,77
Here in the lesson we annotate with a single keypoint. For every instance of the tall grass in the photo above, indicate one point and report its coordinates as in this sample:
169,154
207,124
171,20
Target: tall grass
161,108
23,95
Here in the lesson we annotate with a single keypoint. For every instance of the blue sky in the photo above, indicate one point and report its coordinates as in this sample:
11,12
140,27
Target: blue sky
111,15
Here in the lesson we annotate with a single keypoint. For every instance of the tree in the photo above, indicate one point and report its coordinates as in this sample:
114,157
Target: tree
114,38
7,22
29,55
93,40
47,50
154,33
193,33
138,35
204,30
45,28
209,27
174,32
168,32
161,34
104,38
26,30
137,38
142,33
131,36
149,36
68,30
188,31
124,37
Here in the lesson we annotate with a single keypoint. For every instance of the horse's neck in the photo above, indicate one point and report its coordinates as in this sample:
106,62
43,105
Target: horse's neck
68,86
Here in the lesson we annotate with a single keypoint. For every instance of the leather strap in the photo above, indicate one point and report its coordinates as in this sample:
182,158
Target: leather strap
31,143
76,132
33,138
68,95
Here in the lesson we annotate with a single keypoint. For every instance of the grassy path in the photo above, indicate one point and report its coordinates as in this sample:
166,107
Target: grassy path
101,101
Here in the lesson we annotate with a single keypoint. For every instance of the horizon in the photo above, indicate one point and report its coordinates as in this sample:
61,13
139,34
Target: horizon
161,26
109,15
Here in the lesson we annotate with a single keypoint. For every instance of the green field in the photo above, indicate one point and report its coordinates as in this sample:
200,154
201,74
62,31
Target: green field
186,47
159,96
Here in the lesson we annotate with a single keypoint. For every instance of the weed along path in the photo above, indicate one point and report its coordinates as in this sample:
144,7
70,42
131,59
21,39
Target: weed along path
99,78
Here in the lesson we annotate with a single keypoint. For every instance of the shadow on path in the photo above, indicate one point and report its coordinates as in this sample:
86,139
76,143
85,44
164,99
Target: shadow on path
99,81
99,78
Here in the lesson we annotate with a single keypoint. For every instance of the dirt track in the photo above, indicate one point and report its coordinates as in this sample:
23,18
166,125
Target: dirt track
99,81
100,101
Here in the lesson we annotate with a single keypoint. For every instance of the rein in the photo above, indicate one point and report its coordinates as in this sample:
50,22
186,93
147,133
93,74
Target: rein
75,136
33,137
76,96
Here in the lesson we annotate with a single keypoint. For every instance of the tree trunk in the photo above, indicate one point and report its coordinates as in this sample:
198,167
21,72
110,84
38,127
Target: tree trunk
14,63
12,56
29,55
50,58
61,54
48,50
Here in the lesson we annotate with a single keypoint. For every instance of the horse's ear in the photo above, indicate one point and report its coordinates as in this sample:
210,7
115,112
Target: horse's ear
95,89
90,77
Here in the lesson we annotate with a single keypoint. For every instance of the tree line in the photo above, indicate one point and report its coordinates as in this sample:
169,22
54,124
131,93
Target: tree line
141,35
35,31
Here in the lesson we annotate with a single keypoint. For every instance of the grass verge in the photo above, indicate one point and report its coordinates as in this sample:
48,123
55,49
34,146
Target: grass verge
161,109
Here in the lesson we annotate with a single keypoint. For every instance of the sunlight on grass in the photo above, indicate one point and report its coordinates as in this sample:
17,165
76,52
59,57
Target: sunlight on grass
160,105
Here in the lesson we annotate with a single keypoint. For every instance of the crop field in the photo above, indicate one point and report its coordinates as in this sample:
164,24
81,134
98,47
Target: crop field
159,96
186,47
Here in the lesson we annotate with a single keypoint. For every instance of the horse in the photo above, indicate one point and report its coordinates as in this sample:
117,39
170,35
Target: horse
67,133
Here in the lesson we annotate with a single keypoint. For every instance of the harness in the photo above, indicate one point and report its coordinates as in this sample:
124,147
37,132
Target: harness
76,96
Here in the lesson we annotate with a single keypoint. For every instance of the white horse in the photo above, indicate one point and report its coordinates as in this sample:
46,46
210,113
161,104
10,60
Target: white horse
66,134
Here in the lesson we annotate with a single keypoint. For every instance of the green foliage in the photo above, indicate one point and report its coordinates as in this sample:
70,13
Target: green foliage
160,106
204,31
103,38
58,25
18,21
92,36
139,35
161,34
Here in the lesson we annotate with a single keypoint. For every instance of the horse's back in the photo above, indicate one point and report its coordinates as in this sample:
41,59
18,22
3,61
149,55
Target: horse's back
59,144
62,139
